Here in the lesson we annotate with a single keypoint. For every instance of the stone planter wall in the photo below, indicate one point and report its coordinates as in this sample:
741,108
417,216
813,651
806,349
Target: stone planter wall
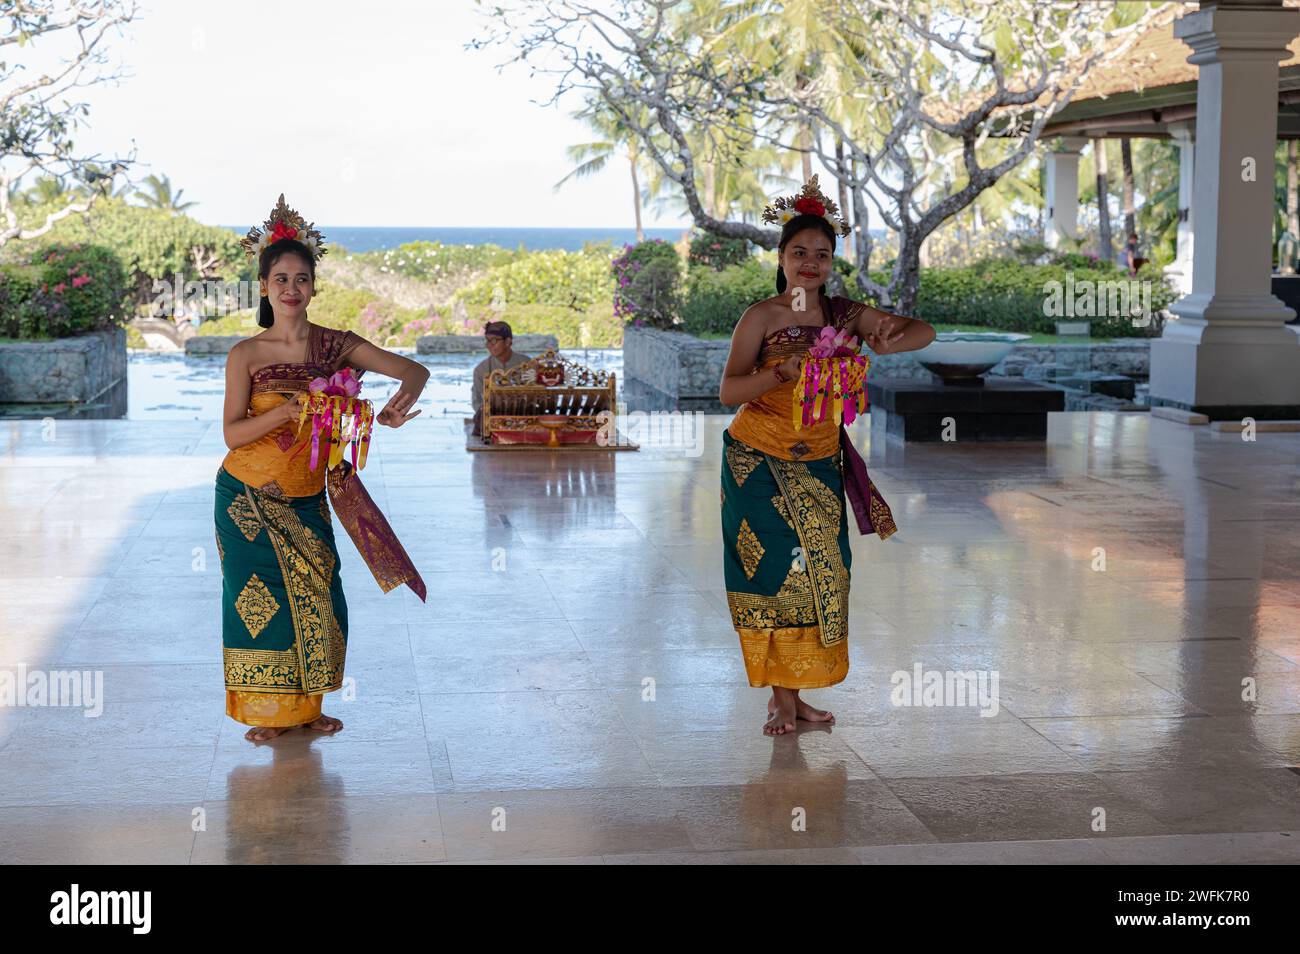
667,370
74,370
663,370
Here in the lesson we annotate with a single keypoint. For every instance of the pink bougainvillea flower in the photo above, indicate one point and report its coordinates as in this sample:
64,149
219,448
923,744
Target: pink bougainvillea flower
80,280
60,288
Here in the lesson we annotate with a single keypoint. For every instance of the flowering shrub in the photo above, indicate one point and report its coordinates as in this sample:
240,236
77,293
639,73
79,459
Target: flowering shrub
646,280
23,306
412,331
378,320
63,290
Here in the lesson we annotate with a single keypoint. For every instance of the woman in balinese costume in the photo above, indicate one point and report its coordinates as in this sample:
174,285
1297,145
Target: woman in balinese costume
284,617
784,517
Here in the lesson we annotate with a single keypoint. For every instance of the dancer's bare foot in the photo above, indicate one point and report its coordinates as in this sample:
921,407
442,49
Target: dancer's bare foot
805,712
780,712
326,724
265,733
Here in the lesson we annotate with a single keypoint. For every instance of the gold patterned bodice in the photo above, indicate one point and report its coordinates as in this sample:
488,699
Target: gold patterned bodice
280,460
765,423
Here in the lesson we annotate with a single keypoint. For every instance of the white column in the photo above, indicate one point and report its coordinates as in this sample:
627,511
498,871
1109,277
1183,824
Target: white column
1179,272
1062,191
1229,353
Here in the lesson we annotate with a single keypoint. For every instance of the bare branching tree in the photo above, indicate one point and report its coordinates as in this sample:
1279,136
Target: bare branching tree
884,93
39,110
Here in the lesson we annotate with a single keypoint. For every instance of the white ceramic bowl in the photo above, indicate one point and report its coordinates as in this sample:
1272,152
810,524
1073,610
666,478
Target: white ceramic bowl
963,355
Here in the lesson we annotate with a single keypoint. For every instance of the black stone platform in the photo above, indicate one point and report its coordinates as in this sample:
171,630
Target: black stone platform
1003,409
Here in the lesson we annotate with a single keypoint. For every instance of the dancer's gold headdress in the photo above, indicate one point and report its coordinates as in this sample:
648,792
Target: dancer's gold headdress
284,223
811,201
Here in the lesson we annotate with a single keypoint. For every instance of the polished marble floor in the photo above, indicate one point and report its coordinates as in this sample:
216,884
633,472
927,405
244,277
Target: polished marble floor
573,691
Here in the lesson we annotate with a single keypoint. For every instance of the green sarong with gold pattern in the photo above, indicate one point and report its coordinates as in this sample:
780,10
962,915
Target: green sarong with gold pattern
786,563
284,619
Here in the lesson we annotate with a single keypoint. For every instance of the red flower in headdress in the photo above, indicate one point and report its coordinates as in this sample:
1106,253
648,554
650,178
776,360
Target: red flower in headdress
283,231
807,205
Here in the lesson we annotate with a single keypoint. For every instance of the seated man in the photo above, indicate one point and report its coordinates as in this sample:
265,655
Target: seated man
498,337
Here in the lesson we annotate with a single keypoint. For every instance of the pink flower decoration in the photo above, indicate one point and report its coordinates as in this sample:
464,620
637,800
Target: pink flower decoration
342,383
834,344
347,381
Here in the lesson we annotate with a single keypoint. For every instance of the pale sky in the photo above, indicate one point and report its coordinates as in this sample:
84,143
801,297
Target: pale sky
361,113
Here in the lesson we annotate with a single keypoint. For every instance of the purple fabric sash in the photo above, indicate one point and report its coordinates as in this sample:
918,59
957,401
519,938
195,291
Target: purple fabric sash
872,513
369,530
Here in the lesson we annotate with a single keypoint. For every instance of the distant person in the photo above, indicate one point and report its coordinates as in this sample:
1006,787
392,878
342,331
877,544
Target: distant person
1132,260
498,339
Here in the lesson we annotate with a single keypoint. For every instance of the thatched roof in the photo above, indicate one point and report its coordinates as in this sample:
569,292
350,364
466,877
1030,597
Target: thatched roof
1157,59
1152,84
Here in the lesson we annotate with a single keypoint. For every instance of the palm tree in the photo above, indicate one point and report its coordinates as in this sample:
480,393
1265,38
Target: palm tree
46,189
1130,213
786,38
1156,172
1105,251
1291,229
742,181
592,157
157,194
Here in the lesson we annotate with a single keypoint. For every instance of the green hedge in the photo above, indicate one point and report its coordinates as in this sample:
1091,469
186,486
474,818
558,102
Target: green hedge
713,251
715,300
575,280
596,327
1010,296
434,261
1001,294
390,326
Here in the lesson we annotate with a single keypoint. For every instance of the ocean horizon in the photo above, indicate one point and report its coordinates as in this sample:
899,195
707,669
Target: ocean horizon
374,238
